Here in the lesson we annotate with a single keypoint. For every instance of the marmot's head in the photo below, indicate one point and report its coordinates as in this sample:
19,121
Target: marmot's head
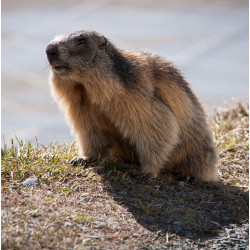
75,52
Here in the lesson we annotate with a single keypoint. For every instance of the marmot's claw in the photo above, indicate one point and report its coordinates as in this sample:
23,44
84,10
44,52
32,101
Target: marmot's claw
77,160
81,161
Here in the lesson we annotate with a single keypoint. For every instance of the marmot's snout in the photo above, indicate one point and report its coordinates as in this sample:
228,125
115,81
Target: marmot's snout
53,56
52,53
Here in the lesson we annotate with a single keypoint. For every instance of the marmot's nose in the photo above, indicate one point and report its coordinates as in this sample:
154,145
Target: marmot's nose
52,52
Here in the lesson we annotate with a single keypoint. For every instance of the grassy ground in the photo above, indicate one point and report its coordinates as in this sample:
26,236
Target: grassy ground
110,205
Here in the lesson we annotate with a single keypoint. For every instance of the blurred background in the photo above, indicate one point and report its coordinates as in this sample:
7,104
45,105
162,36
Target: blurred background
206,39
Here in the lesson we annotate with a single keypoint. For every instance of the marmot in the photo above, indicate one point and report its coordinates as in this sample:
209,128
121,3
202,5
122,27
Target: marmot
132,105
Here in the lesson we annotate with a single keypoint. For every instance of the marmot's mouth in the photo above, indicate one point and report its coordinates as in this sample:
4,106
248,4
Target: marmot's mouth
58,68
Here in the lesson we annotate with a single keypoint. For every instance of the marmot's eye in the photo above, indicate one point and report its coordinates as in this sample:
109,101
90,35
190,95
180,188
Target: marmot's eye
80,40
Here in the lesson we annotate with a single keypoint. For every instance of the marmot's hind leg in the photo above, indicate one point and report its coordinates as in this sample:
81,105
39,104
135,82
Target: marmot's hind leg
202,169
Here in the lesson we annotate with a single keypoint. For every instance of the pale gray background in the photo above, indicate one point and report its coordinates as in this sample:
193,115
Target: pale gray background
206,39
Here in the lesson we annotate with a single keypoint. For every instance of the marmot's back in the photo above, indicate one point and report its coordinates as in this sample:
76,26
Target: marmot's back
195,150
141,106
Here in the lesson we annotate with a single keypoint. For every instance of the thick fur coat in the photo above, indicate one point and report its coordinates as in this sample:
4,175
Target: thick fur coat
132,105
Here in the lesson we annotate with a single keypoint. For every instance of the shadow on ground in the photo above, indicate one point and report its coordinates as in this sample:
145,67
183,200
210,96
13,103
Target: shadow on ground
193,210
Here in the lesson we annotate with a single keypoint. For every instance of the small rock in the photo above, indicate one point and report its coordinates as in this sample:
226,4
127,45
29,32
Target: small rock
67,224
181,184
84,228
122,192
225,219
102,225
31,182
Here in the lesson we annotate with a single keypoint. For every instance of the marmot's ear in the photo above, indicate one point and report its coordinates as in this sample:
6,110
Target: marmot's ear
102,42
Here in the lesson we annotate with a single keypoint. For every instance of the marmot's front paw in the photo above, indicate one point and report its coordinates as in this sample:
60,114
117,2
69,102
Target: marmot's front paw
81,161
77,160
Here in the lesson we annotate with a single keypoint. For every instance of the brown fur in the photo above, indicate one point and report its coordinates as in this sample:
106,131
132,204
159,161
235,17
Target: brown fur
131,105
